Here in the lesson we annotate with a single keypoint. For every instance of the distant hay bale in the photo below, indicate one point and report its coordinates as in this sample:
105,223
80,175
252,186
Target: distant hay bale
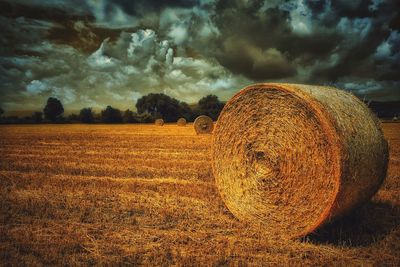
159,122
203,125
289,158
181,122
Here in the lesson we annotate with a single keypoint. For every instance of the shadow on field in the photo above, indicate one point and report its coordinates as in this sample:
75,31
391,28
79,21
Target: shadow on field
365,226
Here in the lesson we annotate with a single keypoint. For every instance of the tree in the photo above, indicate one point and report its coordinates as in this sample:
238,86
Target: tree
53,109
86,115
1,114
73,117
186,111
145,117
210,106
111,115
162,106
130,116
37,116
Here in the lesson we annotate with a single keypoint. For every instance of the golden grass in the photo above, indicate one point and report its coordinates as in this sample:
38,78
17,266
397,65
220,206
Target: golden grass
132,194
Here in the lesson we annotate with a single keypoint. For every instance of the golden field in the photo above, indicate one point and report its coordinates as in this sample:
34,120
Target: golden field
145,195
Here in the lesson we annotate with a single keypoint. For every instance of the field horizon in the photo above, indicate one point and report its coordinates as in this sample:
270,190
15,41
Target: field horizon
141,194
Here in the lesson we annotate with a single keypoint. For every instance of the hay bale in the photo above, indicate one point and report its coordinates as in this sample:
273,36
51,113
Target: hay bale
289,158
181,122
159,122
203,125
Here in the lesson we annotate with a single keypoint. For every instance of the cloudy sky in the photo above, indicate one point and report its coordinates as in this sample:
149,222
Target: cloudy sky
93,53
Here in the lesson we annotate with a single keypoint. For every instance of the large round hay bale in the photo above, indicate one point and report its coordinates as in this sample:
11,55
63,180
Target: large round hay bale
181,122
203,124
290,158
159,122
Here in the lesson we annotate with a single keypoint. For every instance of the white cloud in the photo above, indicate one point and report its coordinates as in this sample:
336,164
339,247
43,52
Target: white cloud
99,60
169,57
120,72
28,74
66,94
88,102
357,26
362,87
178,33
387,49
383,50
135,96
183,25
36,87
130,70
110,15
116,96
300,19
375,4
142,39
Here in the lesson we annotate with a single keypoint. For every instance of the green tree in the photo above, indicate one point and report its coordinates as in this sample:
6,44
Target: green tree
210,106
111,115
1,114
53,109
162,106
73,117
86,115
145,118
37,116
131,117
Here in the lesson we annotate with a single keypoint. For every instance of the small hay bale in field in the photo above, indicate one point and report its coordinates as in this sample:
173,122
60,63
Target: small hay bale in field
289,158
159,122
203,124
181,122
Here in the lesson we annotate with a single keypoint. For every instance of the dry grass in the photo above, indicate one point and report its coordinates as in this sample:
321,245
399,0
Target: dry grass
132,194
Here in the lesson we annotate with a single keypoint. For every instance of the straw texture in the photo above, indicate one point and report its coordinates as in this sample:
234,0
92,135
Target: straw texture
290,158
203,125
181,122
159,122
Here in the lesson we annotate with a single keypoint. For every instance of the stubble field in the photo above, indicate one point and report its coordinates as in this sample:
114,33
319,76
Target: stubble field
144,194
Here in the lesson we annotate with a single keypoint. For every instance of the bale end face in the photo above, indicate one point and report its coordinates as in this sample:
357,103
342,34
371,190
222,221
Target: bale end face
159,122
203,125
181,122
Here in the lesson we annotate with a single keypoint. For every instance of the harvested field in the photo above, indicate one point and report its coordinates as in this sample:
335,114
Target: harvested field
133,194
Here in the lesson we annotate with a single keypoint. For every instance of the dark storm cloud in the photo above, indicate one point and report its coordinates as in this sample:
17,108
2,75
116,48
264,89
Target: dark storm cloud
352,9
99,52
45,10
248,41
136,7
364,27
306,35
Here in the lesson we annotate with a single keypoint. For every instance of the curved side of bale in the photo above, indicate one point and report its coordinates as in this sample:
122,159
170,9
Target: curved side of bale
181,122
159,122
290,158
203,125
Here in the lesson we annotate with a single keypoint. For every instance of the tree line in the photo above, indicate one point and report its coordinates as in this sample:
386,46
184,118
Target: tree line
149,108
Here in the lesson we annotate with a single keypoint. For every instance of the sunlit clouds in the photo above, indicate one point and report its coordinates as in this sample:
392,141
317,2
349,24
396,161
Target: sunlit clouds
107,52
